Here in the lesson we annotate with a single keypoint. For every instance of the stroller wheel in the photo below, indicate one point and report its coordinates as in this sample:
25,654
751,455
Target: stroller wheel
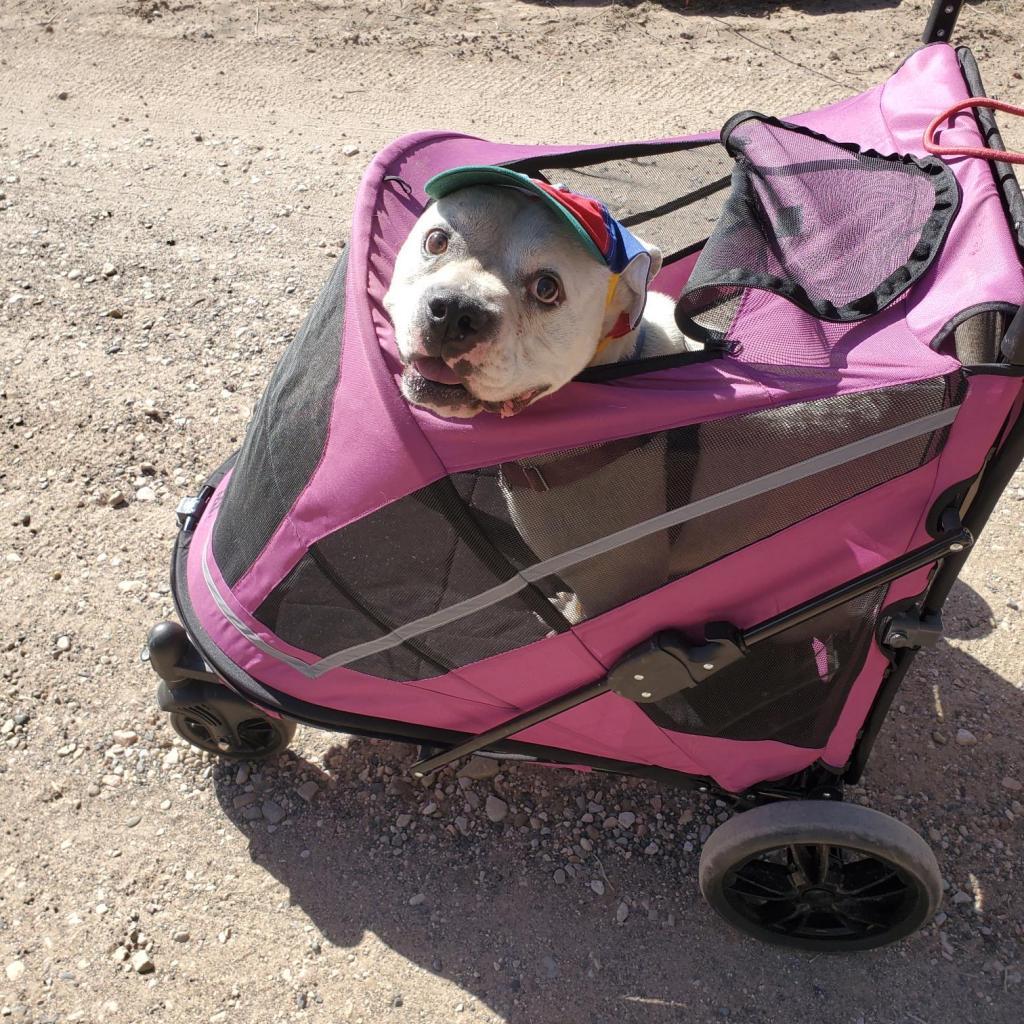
249,737
820,875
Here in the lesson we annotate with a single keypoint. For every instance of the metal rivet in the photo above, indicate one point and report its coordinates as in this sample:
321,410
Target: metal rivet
639,679
645,693
941,32
956,547
708,666
948,8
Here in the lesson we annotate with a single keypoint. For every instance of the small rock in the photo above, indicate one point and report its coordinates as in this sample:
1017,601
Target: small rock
598,886
63,643
495,808
350,150
627,819
961,899
113,314
242,775
62,95
403,820
181,936
308,790
621,913
651,848
417,900
109,270
1013,785
133,821
939,738
965,738
126,737
117,500
14,970
273,812
145,494
244,800
559,876
480,769
141,962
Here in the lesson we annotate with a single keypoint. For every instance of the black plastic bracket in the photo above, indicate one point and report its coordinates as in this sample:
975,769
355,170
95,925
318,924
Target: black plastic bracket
1012,345
190,510
666,663
913,629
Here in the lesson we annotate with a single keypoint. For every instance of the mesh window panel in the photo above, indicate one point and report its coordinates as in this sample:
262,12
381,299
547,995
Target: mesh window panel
670,198
667,471
413,557
790,688
286,437
839,232
448,545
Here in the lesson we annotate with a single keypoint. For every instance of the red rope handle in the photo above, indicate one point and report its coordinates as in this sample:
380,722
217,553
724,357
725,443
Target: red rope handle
982,152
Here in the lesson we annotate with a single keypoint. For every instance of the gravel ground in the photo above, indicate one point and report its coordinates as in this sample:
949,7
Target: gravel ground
175,180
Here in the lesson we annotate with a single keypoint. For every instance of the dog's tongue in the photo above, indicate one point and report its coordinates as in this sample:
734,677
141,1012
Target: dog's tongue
436,370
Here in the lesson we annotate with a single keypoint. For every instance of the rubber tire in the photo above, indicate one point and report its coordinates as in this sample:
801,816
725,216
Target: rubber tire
283,731
811,822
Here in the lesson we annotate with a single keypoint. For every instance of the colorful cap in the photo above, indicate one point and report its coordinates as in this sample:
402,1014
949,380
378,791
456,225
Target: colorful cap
602,235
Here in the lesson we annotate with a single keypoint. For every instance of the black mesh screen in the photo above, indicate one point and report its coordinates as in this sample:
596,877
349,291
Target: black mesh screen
285,439
454,542
839,232
790,688
670,197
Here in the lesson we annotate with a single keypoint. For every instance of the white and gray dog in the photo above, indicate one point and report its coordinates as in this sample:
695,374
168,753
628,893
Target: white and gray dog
504,291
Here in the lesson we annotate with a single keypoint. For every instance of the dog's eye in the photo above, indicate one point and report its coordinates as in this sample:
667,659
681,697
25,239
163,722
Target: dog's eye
546,288
436,242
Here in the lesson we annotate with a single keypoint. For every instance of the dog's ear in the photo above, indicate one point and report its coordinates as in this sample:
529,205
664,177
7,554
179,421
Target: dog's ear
626,303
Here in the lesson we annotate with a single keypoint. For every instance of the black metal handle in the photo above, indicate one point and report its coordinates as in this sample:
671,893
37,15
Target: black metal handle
942,21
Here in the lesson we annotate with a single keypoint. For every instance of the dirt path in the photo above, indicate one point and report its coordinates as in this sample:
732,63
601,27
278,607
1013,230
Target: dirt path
173,185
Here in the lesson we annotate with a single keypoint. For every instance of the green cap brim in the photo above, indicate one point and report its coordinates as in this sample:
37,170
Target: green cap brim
458,178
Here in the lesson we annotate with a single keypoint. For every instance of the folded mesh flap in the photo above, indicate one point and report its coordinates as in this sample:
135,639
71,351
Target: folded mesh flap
839,231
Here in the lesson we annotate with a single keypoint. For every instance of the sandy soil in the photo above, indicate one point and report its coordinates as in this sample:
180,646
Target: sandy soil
173,186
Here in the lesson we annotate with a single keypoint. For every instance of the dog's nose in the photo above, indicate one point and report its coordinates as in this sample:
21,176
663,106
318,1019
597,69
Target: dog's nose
453,319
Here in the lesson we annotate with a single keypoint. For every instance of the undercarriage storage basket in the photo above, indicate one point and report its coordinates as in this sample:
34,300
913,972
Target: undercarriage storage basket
366,562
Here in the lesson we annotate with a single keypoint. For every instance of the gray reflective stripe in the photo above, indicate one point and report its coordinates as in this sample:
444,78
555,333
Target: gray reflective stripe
312,671
731,496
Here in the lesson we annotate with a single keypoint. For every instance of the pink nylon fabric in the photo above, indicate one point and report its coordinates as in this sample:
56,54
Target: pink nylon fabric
379,449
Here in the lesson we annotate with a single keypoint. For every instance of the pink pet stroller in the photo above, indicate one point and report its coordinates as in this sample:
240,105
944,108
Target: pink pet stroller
823,465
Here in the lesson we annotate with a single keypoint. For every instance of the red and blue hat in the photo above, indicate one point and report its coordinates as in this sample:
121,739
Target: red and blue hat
602,235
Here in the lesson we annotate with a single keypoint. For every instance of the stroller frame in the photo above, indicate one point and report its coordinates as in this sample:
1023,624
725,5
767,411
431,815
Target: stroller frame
239,716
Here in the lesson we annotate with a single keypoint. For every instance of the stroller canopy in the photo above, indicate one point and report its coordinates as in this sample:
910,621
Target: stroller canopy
361,552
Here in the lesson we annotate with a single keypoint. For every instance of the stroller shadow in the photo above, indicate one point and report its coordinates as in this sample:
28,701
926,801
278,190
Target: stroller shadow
479,905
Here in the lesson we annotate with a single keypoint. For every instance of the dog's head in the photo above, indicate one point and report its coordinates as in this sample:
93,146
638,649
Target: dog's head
497,298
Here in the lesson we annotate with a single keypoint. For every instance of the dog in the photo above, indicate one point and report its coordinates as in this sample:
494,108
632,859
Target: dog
505,289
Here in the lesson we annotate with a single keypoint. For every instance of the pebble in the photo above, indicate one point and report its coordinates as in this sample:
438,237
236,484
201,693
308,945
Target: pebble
14,970
181,936
495,808
242,775
109,270
961,898
350,150
480,769
627,819
244,800
559,877
63,643
273,812
965,738
415,901
403,820
145,494
126,737
117,500
142,963
133,821
621,913
1013,785
598,886
308,790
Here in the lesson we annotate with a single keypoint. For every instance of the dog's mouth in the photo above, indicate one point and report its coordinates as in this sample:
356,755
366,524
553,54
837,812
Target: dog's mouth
432,383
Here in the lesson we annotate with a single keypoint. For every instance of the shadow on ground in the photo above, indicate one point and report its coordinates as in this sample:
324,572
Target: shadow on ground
492,921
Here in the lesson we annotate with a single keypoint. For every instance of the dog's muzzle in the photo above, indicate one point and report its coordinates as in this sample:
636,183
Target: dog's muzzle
454,323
